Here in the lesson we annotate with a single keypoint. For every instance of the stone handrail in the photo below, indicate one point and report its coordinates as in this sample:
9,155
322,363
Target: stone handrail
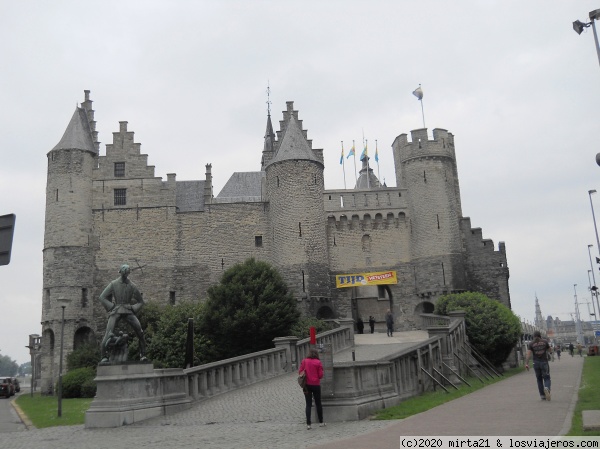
340,339
360,388
219,377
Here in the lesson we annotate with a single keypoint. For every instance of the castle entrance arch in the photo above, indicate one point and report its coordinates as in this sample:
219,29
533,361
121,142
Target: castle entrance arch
83,336
424,307
325,313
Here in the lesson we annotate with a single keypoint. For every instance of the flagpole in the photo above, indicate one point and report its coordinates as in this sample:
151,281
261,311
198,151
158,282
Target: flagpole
423,113
343,165
367,157
354,154
377,160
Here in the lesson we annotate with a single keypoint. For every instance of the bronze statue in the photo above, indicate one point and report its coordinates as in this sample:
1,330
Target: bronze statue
122,291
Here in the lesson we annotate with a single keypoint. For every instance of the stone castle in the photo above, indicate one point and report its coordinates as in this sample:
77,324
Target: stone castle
105,210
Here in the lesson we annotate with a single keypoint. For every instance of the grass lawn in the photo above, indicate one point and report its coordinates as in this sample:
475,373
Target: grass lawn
432,399
42,411
589,396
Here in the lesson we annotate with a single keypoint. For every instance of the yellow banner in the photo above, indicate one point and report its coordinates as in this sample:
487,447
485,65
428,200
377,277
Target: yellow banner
360,279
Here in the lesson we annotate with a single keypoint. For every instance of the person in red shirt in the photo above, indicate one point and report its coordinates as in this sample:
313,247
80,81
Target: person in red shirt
314,373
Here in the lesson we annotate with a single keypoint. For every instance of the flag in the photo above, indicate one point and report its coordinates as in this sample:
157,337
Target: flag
364,153
376,155
351,152
418,92
342,157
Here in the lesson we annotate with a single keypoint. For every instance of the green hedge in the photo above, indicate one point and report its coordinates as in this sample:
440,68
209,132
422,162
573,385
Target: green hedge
79,383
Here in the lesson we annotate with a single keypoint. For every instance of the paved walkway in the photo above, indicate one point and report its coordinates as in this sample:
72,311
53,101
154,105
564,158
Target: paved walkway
270,415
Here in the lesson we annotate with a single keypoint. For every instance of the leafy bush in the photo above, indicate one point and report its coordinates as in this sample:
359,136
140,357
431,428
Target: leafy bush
73,381
493,329
88,389
87,355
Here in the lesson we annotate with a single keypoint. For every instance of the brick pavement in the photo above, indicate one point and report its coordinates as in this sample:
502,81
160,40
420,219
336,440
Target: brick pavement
270,414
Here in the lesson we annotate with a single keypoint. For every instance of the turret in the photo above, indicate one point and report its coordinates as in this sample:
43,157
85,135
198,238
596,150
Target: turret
427,168
294,183
68,243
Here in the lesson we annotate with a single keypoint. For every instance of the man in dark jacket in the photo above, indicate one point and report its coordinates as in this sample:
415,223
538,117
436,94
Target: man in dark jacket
538,349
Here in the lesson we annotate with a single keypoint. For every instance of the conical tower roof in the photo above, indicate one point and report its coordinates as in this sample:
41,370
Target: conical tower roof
78,134
269,136
294,145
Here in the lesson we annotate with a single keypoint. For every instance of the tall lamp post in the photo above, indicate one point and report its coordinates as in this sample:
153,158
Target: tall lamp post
593,288
578,26
63,303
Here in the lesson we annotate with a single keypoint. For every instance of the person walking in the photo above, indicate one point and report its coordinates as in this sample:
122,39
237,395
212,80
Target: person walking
571,349
389,322
558,351
579,349
360,325
313,368
538,350
372,323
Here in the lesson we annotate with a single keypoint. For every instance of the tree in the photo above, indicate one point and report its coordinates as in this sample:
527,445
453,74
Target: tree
493,329
8,367
248,309
302,328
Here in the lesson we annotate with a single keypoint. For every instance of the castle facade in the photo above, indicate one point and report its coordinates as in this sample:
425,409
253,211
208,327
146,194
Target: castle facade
178,237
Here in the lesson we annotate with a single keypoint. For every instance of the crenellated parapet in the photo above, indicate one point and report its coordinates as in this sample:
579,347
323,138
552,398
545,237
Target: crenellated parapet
345,201
442,145
367,221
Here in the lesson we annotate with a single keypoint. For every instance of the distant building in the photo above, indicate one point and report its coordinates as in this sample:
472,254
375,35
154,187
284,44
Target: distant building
105,210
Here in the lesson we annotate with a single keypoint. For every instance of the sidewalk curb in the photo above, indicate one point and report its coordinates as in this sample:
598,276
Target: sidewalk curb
22,416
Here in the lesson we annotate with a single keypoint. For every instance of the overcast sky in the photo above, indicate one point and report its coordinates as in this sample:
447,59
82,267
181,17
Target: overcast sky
510,79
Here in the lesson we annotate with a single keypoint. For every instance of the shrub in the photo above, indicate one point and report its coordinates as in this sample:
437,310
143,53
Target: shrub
87,355
493,329
73,381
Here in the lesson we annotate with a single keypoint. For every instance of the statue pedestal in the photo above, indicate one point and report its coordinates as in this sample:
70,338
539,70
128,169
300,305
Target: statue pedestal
132,392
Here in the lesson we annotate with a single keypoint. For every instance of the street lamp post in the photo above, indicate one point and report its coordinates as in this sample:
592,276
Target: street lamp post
63,305
578,26
590,192
593,287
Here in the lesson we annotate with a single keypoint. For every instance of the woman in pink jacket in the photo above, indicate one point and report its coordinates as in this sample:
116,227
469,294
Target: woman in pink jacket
314,373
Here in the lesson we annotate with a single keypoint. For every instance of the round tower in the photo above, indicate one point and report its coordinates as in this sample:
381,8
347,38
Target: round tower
68,256
294,185
427,169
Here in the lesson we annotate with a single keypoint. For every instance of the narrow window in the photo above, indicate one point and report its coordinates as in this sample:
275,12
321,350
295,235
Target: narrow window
84,297
278,181
120,197
424,176
300,229
119,169
438,220
258,241
172,298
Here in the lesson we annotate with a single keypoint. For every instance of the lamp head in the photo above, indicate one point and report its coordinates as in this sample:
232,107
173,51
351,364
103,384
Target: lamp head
578,26
595,14
598,158
591,191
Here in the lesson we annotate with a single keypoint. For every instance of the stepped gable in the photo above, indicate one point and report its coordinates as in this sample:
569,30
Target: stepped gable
293,145
78,134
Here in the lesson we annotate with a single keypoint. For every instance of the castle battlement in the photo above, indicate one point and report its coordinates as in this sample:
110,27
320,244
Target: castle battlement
367,221
360,200
442,145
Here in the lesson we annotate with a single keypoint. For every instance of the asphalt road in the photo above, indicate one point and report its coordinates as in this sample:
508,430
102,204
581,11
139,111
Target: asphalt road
9,420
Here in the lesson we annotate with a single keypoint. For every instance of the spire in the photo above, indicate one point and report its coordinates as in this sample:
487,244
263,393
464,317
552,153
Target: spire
78,134
362,182
269,136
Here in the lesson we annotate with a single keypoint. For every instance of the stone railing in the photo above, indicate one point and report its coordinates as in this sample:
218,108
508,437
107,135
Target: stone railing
360,388
219,377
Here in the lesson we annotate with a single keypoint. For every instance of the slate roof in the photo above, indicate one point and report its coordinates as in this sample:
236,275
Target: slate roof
294,145
78,134
243,184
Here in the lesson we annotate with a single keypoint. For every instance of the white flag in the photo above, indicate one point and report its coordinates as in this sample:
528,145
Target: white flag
418,93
